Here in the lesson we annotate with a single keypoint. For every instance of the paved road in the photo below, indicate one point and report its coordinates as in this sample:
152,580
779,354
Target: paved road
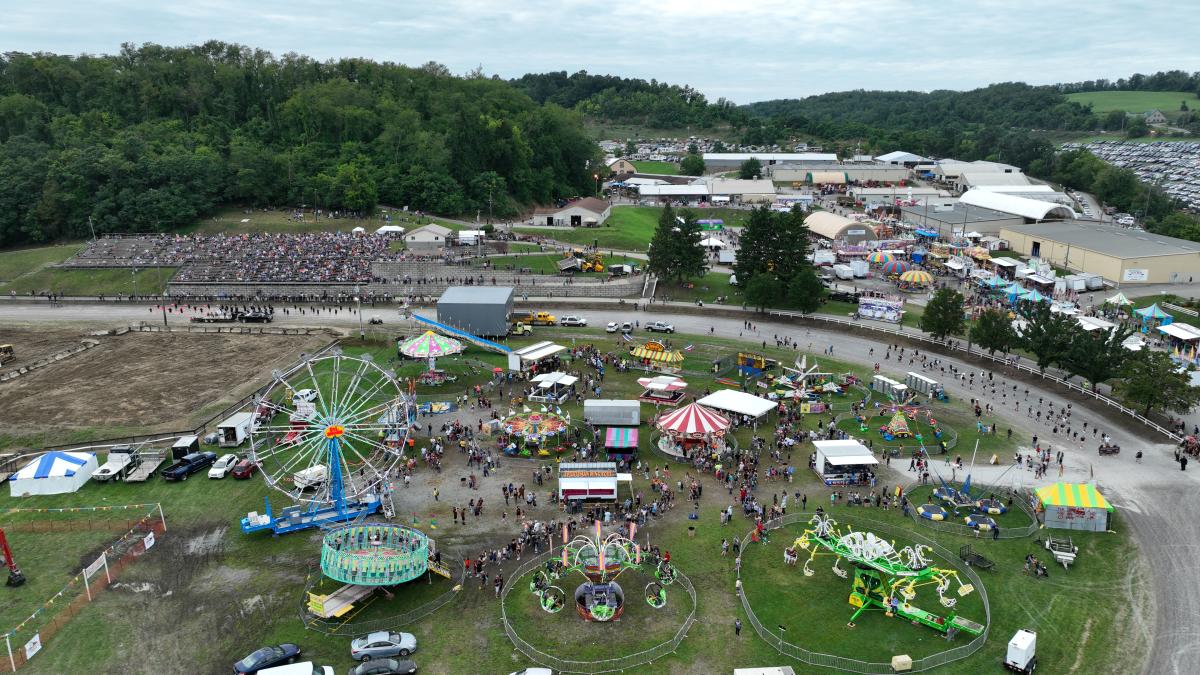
1156,499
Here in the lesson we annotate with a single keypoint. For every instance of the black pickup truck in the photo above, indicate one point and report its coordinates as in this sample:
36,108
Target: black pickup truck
189,465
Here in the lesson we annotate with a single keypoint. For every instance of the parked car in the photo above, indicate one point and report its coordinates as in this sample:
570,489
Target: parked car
223,466
190,464
212,439
660,327
572,320
627,327
243,469
612,327
306,668
381,644
384,667
267,657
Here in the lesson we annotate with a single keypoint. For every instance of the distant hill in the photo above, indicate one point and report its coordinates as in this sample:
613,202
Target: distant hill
1136,101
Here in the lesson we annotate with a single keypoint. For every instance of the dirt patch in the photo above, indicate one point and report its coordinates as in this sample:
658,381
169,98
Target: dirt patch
31,344
149,381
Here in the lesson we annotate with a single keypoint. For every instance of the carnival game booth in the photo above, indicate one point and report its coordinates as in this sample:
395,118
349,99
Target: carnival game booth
54,473
656,356
1075,506
540,357
1153,317
843,462
738,403
662,390
616,422
1182,342
587,481
554,387
692,429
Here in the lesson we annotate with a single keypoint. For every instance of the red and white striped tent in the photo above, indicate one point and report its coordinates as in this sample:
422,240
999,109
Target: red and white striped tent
693,421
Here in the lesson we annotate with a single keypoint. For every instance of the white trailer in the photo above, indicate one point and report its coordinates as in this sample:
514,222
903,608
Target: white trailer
1022,652
843,271
860,268
232,432
612,412
122,459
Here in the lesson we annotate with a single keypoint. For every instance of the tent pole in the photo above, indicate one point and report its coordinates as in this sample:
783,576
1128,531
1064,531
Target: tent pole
11,661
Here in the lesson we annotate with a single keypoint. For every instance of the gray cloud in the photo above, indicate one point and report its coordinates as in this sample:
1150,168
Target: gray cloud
744,51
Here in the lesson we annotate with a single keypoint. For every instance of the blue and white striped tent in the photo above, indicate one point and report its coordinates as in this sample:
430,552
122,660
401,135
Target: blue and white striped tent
53,473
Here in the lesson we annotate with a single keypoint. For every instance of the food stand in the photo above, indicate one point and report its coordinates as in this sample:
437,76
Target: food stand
843,462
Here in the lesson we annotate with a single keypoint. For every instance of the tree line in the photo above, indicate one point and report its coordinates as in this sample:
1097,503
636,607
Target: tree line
1147,378
152,137
1163,80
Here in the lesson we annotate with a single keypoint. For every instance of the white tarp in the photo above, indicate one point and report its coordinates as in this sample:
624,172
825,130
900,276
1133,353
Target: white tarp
713,242
390,229
1180,331
847,452
548,380
53,473
738,402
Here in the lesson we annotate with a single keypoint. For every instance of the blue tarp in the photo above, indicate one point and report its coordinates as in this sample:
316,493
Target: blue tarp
927,233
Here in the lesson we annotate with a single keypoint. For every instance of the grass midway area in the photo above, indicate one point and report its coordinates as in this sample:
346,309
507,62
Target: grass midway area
92,281
661,168
1136,101
629,228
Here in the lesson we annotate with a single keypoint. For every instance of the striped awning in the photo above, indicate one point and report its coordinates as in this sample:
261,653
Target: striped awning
693,421
1073,494
621,437
668,356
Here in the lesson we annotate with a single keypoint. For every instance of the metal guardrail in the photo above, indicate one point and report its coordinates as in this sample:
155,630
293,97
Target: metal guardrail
854,665
590,667
1182,310
971,351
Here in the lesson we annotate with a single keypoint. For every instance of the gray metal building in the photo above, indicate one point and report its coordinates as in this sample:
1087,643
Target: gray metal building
479,310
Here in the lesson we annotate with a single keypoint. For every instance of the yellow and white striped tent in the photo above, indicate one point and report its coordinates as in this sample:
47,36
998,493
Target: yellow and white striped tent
1075,506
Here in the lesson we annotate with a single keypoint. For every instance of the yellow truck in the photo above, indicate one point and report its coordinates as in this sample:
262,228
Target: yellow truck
535,318
520,328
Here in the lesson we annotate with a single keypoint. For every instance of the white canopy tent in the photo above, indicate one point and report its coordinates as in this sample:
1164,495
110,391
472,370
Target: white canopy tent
712,242
1091,323
1180,331
54,473
390,229
522,358
842,462
738,402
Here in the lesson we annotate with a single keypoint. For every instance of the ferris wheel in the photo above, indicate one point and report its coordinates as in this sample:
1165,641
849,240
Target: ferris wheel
330,431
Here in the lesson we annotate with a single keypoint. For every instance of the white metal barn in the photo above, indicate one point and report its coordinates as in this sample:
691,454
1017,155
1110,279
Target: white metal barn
54,473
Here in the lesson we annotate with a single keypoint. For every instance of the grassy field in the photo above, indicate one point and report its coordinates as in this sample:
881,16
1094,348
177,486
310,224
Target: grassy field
14,264
1136,101
663,168
602,131
629,228
206,578
92,281
234,219
707,288
547,263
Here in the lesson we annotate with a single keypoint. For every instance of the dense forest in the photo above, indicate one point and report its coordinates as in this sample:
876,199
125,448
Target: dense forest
629,100
152,137
1166,80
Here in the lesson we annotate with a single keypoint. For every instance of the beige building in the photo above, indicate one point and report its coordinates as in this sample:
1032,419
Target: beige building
1119,255
838,228
622,166
428,238
588,211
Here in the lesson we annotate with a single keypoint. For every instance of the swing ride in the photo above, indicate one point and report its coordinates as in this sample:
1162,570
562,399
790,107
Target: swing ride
885,579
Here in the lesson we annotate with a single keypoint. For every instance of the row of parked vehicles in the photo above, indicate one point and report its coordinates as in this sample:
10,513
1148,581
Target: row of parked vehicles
379,653
218,467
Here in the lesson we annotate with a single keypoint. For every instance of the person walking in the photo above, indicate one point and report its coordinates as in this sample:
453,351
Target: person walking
737,627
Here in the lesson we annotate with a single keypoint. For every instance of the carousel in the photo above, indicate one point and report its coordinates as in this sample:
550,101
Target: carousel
691,429
528,432
430,346
655,355
662,390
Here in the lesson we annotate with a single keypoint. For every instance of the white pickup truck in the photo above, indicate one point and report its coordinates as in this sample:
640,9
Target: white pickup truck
122,459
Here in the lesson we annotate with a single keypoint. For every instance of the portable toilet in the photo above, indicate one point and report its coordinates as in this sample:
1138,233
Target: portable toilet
1022,652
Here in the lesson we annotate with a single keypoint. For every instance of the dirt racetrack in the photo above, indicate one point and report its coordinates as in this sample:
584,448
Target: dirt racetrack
143,383
31,344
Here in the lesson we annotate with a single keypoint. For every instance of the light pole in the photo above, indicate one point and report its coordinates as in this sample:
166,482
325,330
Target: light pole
362,334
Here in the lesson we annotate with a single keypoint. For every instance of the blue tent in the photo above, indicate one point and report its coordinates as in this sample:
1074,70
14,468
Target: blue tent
1034,296
1154,313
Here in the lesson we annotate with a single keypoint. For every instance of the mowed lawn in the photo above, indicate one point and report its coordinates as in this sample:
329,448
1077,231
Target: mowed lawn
1136,101
23,261
274,221
662,168
629,228
92,281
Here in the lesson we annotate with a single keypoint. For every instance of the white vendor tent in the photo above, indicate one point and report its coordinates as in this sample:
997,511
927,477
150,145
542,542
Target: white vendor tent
738,402
390,229
54,473
713,242
843,462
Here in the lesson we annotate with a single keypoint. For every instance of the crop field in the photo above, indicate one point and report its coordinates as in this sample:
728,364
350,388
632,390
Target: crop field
1136,101
661,168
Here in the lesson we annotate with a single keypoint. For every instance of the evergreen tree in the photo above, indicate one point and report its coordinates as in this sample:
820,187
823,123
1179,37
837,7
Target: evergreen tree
943,315
689,260
661,259
763,291
751,168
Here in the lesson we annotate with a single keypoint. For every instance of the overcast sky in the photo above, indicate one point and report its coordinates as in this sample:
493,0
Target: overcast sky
745,51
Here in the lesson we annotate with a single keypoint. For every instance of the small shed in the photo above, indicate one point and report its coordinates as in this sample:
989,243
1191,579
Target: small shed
605,412
1075,506
54,473
843,462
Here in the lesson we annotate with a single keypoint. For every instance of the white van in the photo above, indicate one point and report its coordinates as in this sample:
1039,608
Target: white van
303,396
312,477
306,668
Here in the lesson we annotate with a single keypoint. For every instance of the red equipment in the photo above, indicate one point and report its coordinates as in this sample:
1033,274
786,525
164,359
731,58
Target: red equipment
15,578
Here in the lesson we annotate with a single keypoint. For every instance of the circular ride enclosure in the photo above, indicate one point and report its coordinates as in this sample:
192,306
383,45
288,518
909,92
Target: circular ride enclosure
815,611
375,554
564,642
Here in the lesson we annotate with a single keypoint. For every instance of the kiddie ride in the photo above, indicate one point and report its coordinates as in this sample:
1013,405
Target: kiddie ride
884,578
601,560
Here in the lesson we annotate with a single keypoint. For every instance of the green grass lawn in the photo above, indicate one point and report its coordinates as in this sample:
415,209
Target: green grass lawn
1136,101
664,168
92,281
548,263
629,228
235,219
706,288
16,263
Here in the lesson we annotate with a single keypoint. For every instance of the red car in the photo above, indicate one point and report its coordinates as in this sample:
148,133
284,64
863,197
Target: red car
243,469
